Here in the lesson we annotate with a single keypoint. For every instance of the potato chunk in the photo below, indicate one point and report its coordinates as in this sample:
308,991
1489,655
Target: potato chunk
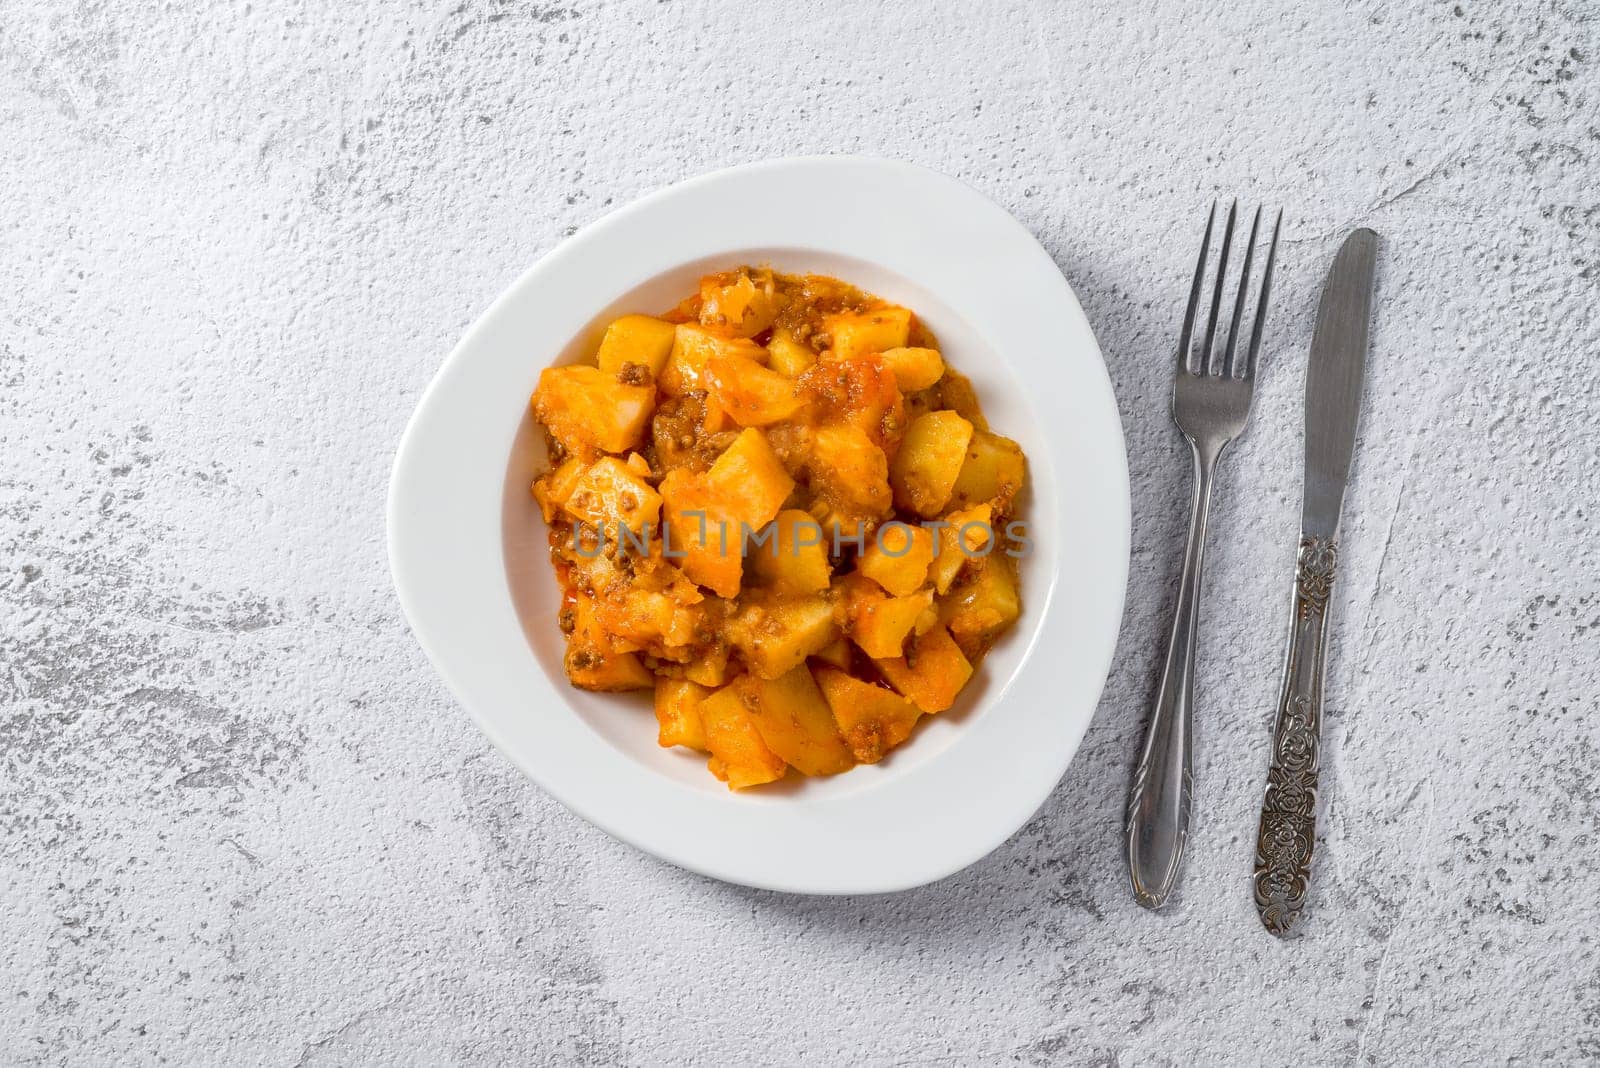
706,536
837,653
914,368
872,720
640,339
859,392
932,672
586,409
992,472
875,621
796,723
677,708
956,393
711,667
789,356
774,633
593,660
982,607
611,496
552,489
741,303
858,333
650,618
924,471
966,536
749,482
793,557
706,514
898,557
739,755
850,474
750,394
692,346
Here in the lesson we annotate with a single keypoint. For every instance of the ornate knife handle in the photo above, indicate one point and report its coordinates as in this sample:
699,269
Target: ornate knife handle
1287,836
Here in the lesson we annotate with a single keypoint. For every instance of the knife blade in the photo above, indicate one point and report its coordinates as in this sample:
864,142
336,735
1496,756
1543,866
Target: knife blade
1286,836
1333,381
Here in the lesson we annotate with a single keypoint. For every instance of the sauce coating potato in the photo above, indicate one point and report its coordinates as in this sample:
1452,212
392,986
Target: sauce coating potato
780,508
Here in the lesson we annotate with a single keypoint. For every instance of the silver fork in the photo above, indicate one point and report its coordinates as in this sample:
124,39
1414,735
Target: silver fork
1210,404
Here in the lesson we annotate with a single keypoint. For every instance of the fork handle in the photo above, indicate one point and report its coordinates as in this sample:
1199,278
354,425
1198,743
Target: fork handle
1163,781
1287,834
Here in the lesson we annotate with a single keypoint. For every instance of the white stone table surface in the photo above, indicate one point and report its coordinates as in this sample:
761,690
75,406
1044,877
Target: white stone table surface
243,822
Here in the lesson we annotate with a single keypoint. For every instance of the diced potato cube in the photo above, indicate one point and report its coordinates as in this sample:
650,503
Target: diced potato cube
796,723
858,333
716,420
837,653
850,473
692,346
647,617
793,557
967,536
914,368
706,515
639,339
872,720
610,496
980,608
932,672
860,392
738,302
739,755
588,668
548,508
876,622
925,469
774,634
698,526
993,471
956,393
748,482
593,661
552,489
678,713
750,394
898,557
711,668
564,478
586,409
788,356
589,572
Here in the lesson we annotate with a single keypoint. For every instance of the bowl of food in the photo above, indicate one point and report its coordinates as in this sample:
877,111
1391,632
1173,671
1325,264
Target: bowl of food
777,524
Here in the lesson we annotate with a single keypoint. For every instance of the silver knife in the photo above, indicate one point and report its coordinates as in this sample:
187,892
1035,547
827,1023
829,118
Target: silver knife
1287,835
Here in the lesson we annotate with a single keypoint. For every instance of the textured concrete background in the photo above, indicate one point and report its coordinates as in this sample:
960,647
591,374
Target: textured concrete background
244,823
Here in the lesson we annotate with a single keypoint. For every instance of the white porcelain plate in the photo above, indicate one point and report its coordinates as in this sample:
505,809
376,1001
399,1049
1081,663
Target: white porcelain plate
468,547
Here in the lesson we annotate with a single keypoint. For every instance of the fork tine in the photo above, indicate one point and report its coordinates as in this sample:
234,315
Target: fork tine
1194,293
1266,290
1216,290
1232,362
